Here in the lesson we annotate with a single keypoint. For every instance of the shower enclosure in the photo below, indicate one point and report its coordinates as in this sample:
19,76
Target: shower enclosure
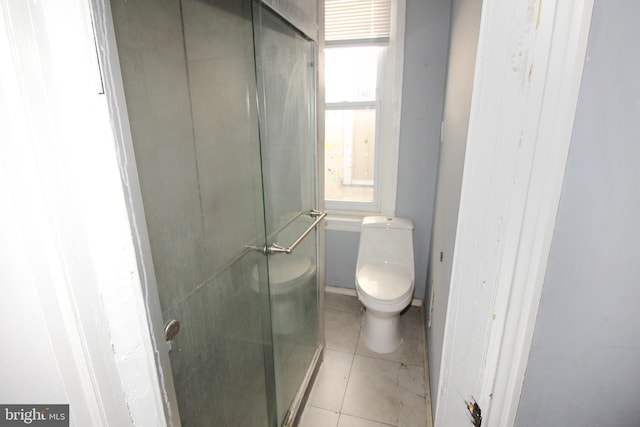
220,98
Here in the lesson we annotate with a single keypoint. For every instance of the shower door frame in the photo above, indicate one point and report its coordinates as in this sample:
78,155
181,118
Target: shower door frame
294,17
104,34
314,31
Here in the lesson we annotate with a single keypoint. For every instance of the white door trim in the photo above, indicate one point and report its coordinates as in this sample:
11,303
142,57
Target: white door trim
567,52
527,78
114,89
73,247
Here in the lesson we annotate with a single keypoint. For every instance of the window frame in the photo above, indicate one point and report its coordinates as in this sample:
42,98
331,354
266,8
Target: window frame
388,112
375,104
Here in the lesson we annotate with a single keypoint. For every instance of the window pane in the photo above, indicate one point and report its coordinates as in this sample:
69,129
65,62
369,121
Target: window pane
351,73
350,155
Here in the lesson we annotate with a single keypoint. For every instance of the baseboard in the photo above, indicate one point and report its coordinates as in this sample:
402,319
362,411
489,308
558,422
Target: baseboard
416,302
339,290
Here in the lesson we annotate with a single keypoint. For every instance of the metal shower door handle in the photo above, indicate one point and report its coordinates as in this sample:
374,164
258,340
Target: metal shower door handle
171,330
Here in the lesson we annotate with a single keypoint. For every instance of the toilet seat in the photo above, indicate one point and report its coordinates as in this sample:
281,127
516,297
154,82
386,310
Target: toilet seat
384,283
285,273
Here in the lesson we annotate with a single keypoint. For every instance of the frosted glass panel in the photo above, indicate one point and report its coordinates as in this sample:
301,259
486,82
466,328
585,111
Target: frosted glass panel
189,76
286,75
289,144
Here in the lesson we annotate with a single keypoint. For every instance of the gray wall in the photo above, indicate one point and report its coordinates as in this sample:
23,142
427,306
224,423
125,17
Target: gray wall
465,24
584,365
426,44
426,41
341,255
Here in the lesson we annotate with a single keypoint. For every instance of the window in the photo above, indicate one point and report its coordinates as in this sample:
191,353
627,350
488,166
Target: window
352,103
362,87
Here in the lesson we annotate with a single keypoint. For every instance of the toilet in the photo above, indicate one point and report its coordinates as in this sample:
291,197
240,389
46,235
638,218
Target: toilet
384,279
290,279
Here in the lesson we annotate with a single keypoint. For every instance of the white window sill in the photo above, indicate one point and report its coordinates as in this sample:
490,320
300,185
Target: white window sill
337,222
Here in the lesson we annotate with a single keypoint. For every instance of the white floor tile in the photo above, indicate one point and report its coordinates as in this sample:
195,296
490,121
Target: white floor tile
316,417
351,421
331,381
342,330
412,379
378,392
364,388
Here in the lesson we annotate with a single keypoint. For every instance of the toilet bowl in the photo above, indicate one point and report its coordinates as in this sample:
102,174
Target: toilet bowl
384,279
290,279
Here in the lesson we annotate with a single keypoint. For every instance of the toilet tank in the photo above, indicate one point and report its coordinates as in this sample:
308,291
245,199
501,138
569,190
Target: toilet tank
386,240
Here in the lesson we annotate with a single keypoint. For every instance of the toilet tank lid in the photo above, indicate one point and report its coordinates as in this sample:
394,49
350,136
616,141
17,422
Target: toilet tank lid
387,222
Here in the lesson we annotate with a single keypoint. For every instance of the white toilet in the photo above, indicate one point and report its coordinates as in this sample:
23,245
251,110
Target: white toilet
290,278
384,278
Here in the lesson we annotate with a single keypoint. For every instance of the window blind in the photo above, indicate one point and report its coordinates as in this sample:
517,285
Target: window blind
357,20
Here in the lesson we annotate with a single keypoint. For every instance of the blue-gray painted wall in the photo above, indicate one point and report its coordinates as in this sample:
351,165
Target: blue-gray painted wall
425,59
426,52
584,364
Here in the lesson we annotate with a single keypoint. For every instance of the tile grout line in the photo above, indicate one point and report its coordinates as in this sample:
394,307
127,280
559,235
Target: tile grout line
353,359
344,394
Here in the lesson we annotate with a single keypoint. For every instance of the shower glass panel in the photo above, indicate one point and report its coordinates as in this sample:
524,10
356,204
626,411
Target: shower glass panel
286,80
189,78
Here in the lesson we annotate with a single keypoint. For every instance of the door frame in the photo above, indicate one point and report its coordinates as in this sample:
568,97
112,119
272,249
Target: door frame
62,187
106,46
526,84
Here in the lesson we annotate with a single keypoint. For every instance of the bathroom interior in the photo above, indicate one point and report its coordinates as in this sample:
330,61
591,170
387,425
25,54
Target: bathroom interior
85,325
222,101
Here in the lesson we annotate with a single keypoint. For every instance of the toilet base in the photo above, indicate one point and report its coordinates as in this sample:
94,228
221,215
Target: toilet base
380,331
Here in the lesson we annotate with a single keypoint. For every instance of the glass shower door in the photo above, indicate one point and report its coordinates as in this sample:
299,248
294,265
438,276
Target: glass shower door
220,100
188,71
286,82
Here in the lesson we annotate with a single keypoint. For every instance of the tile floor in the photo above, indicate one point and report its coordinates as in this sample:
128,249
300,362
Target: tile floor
356,387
